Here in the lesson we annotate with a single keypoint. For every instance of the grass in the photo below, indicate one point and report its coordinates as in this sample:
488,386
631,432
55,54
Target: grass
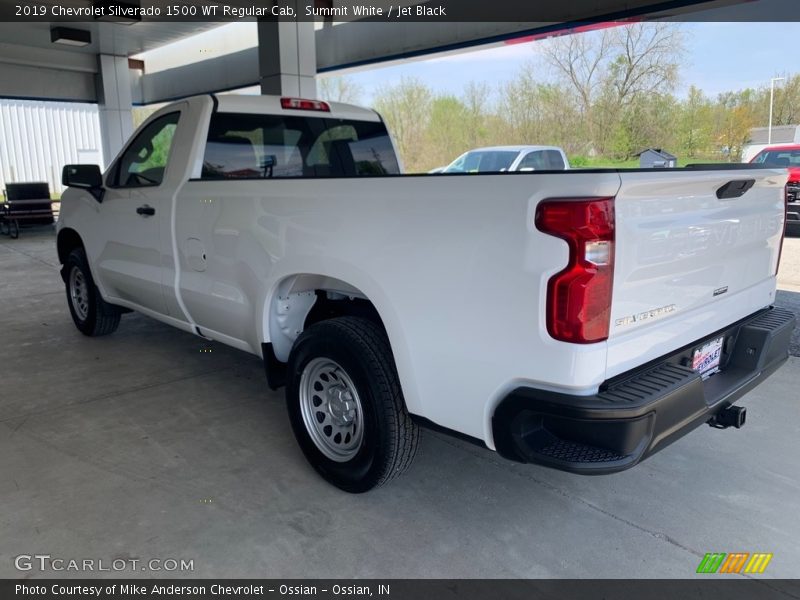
599,162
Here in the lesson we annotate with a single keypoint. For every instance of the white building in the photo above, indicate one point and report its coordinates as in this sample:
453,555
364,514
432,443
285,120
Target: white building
38,138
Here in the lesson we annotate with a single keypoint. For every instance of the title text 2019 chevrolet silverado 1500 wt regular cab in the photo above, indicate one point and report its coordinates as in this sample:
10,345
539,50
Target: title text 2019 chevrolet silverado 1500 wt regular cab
577,319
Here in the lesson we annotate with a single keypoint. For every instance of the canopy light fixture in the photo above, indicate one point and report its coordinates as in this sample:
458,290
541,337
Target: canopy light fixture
70,37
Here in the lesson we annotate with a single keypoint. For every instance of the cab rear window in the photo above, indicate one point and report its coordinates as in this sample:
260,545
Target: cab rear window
252,146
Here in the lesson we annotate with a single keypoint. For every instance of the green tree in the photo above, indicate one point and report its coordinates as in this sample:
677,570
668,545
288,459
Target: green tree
735,116
406,107
448,133
477,114
339,89
695,124
786,104
534,112
612,74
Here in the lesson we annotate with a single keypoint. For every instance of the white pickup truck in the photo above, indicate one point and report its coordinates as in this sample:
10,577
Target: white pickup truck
502,159
581,320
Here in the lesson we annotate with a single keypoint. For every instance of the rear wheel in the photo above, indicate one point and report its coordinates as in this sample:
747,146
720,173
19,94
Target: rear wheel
92,315
346,407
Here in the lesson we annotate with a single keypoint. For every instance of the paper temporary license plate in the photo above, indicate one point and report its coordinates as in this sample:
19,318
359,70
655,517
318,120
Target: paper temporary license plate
706,358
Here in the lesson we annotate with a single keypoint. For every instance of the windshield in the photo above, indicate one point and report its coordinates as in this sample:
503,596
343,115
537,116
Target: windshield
779,158
482,161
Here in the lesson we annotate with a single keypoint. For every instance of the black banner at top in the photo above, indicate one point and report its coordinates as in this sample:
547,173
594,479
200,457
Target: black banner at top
398,11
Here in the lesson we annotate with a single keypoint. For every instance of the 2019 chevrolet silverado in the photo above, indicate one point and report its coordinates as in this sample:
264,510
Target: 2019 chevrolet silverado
581,320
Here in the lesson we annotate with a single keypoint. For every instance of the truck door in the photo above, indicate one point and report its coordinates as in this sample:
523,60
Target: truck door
135,211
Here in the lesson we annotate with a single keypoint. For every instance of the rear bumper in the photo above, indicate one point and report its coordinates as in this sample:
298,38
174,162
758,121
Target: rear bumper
640,412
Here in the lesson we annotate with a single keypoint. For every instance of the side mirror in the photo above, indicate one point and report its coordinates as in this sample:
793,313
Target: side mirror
87,177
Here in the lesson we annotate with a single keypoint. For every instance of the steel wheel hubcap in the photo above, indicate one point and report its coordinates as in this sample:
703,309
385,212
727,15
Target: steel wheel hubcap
331,409
79,293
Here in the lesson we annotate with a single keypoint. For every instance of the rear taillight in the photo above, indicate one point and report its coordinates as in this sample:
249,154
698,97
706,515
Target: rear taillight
302,104
579,297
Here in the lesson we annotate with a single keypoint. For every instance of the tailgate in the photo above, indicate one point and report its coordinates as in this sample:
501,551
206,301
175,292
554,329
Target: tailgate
680,248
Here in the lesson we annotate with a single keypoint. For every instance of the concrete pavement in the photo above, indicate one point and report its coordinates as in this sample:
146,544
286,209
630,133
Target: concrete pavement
789,272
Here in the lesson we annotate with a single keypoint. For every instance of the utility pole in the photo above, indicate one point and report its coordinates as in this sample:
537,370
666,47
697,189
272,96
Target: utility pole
771,101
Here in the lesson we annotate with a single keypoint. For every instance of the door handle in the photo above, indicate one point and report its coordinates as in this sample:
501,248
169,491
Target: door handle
146,211
735,189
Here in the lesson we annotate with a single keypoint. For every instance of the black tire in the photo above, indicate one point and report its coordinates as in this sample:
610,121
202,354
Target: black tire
389,436
94,316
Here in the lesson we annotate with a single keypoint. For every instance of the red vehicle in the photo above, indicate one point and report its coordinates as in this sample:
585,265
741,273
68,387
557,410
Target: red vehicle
787,156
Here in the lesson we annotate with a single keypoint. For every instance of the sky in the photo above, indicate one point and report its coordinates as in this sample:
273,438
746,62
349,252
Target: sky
720,57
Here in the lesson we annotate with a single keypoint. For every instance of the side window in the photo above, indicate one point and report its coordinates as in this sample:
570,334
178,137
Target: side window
458,165
787,159
144,162
533,160
554,160
542,160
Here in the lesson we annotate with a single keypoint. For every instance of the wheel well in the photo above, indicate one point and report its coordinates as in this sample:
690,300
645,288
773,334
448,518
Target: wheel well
330,305
303,300
68,240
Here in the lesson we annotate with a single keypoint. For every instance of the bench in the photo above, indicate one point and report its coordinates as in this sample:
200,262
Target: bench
27,203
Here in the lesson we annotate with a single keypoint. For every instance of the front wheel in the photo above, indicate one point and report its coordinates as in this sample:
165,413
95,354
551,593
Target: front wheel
92,315
346,407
